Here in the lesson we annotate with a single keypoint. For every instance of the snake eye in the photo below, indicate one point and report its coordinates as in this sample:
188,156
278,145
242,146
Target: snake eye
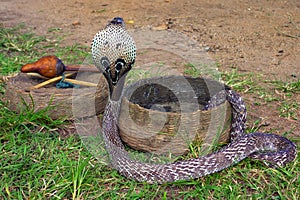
119,64
105,62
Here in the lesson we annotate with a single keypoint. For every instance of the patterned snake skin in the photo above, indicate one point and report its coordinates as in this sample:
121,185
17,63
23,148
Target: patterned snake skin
114,52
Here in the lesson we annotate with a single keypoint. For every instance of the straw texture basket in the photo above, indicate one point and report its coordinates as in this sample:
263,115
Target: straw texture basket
19,97
164,115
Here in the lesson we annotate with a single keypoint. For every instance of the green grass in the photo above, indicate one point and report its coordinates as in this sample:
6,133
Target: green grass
282,92
19,46
205,70
289,108
191,70
13,40
37,163
241,82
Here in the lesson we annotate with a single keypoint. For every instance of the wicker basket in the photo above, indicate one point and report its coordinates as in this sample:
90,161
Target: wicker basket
63,100
164,115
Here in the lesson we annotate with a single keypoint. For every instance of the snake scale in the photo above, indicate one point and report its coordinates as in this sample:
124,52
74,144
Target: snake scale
114,52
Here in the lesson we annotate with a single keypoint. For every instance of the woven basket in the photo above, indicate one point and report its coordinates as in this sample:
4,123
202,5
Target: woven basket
164,115
62,101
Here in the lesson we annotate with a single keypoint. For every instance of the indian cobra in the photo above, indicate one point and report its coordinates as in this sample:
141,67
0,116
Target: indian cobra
114,52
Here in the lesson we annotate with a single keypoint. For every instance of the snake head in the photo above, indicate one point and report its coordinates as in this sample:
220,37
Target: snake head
113,51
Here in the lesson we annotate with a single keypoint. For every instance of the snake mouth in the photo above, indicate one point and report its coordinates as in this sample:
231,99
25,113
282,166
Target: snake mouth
115,75
114,71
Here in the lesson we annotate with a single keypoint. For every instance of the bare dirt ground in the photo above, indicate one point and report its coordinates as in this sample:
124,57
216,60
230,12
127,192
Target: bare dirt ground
252,36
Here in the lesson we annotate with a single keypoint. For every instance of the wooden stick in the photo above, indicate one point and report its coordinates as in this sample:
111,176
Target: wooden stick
78,82
74,81
37,75
49,81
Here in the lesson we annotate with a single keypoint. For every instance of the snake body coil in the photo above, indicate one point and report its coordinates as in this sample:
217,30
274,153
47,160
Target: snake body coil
113,51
